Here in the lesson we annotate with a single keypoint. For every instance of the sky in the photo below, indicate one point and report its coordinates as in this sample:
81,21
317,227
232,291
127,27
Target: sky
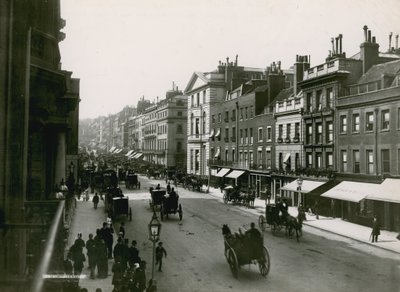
122,50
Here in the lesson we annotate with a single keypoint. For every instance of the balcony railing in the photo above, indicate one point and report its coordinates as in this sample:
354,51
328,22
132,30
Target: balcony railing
287,140
279,140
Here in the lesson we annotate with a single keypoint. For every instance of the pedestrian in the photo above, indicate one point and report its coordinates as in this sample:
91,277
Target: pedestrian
91,254
376,229
140,277
87,196
118,250
95,200
158,187
79,242
125,253
168,187
106,233
316,210
133,254
78,258
160,252
102,263
118,273
122,229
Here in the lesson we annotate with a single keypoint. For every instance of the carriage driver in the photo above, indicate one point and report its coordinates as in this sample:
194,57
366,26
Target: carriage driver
253,235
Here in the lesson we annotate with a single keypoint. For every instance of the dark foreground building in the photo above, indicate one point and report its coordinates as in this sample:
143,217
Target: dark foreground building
39,106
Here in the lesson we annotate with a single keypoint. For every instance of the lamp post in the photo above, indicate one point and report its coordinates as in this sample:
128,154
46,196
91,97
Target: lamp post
154,236
299,184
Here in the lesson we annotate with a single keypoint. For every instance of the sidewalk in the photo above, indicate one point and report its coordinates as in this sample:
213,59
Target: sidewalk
85,221
387,240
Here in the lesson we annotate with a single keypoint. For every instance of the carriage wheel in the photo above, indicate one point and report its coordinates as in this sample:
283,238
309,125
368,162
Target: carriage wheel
262,223
130,214
233,263
225,198
180,212
264,263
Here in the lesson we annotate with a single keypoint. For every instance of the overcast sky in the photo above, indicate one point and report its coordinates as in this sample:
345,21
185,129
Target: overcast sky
124,49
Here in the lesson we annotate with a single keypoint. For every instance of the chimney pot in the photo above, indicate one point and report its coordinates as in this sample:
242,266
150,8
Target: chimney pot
365,32
369,36
390,40
397,41
373,40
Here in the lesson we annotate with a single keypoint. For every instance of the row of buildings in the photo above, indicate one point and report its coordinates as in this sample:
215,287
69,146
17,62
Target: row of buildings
39,119
301,133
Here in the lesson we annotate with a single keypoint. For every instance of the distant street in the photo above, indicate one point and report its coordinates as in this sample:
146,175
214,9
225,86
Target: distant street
196,260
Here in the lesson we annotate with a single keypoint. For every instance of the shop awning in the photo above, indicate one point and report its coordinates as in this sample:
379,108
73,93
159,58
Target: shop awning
287,156
388,191
212,133
306,187
112,149
139,155
217,153
235,173
129,153
351,191
222,172
218,133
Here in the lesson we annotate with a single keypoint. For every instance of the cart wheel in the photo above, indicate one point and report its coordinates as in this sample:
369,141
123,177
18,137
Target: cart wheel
233,263
225,198
180,212
264,263
130,214
262,223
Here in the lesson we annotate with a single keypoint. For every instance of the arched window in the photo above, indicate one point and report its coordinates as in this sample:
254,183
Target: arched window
204,122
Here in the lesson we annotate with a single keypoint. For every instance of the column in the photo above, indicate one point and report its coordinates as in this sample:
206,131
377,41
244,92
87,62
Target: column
60,158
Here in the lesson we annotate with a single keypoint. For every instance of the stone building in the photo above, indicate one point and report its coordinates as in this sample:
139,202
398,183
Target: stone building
39,108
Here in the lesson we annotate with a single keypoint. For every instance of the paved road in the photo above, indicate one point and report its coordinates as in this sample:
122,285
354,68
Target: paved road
196,262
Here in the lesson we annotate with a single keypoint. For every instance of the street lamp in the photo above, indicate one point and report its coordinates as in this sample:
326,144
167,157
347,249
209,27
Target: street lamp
299,184
154,236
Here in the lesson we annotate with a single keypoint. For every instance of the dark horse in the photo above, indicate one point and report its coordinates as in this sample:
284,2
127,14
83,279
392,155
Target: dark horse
294,224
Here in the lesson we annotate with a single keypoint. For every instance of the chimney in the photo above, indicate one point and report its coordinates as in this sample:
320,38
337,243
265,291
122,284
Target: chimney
337,45
340,43
369,52
300,66
333,46
236,61
173,86
365,33
397,41
390,41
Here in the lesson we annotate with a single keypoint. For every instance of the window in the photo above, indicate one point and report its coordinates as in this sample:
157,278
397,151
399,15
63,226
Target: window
309,160
385,120
240,156
280,161
197,162
356,123
269,134
191,159
329,132
343,124
318,136
369,121
385,161
246,113
226,155
226,116
297,130
233,115
219,118
246,136
318,101
251,158
259,157
370,162
260,134
288,131
179,114
233,133
329,160
280,131
309,134
241,113
226,134
343,156
398,118
309,101
329,97
297,161
197,126
204,122
251,112
179,129
251,136
213,119
233,155
356,161
268,158
198,99
318,160
192,101
241,136
204,96
192,124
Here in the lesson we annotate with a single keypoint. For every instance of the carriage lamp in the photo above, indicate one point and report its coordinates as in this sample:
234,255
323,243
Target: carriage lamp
154,236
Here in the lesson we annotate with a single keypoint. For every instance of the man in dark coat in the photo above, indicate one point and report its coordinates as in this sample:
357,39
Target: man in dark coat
133,254
140,277
95,200
106,234
79,242
160,252
91,253
376,229
101,253
118,250
78,258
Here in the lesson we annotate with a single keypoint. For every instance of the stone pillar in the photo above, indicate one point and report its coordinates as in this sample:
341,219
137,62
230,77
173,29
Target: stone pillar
60,159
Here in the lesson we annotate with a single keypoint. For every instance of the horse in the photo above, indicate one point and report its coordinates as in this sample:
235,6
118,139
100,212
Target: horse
293,223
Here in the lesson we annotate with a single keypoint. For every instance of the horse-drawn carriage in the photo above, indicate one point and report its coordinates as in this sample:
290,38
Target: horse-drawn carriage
110,179
277,217
165,203
131,180
117,204
234,195
245,249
